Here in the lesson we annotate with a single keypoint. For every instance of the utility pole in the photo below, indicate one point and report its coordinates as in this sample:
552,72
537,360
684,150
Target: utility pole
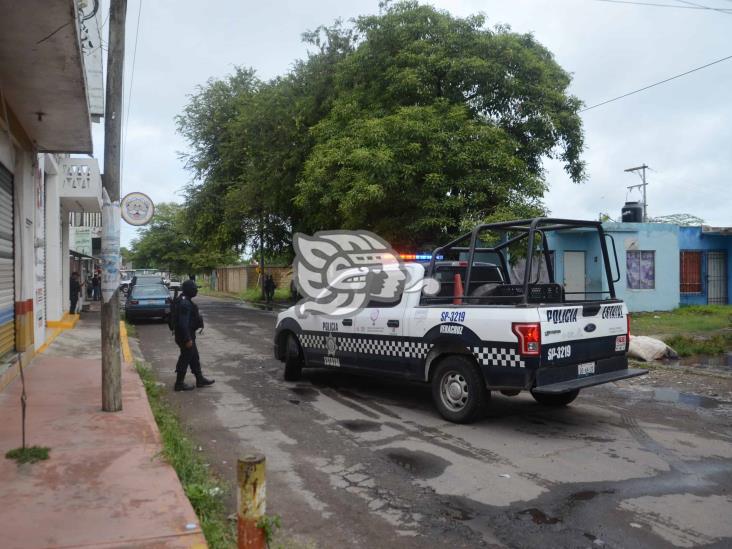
643,186
111,367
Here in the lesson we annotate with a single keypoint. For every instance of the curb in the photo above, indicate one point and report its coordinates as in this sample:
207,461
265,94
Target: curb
124,342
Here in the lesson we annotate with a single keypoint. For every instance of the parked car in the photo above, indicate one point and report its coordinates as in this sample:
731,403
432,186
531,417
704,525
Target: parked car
146,280
147,301
174,285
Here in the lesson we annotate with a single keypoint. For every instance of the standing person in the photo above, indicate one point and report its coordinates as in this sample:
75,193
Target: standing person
269,288
187,321
96,286
74,292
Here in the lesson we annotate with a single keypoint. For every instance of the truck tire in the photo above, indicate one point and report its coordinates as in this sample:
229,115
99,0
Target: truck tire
293,360
562,399
458,389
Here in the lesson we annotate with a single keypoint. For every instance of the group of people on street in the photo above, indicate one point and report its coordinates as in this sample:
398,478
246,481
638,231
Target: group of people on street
92,288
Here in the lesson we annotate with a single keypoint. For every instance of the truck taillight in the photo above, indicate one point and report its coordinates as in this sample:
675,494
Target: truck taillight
529,337
627,319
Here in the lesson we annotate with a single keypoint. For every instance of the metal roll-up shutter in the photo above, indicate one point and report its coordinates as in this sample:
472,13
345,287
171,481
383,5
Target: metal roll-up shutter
7,267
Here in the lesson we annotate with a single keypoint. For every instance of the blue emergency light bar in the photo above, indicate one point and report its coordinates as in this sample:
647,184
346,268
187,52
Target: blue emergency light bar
422,256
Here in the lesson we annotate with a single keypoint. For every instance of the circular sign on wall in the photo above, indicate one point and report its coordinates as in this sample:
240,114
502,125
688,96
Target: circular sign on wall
137,209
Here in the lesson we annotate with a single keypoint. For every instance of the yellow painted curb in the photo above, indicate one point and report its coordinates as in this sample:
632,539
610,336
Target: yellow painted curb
124,342
67,322
50,339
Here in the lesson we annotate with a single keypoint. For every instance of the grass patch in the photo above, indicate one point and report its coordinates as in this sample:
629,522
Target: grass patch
203,490
282,295
131,329
255,294
29,454
688,346
695,319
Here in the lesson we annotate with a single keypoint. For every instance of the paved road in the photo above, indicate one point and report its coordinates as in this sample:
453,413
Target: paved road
359,462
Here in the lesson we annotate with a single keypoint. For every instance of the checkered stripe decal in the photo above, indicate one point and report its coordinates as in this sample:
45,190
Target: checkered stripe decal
384,347
312,341
372,346
497,356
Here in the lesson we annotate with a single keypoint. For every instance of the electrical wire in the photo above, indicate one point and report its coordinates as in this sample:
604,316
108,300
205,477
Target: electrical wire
720,10
658,5
129,93
656,83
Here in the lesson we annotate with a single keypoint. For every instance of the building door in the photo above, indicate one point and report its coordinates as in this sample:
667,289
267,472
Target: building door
7,267
574,276
717,278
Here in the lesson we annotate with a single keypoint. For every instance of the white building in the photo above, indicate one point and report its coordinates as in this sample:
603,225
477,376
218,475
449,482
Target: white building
51,90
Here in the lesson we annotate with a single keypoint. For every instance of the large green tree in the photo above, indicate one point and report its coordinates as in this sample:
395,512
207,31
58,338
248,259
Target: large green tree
249,140
436,120
412,123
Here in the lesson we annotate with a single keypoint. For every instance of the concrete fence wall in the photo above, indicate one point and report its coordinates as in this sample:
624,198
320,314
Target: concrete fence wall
240,278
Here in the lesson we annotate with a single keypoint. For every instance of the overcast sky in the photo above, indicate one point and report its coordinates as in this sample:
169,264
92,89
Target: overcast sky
682,129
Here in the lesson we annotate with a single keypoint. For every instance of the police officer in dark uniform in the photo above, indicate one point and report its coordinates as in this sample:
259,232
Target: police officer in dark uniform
188,321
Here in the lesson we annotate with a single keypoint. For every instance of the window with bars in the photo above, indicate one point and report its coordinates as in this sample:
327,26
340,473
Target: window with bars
641,269
691,272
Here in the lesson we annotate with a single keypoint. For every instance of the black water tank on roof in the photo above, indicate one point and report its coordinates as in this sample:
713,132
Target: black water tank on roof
632,212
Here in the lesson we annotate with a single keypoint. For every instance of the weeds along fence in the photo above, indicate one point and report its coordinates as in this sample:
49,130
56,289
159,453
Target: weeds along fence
240,278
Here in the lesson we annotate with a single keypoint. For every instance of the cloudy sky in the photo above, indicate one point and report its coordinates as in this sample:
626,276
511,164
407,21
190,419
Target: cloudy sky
682,129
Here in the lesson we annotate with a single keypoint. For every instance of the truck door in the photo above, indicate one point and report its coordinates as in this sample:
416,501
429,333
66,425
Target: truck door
378,341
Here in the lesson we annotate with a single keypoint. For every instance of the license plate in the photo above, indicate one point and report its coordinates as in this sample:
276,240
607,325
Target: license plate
586,369
157,302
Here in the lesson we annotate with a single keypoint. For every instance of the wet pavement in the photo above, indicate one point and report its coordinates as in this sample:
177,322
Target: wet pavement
721,363
364,462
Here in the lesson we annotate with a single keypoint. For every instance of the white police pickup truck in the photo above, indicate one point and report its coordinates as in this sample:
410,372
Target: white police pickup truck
498,322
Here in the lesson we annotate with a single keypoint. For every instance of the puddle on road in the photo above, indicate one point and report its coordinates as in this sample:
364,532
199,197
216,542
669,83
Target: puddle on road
711,362
586,495
360,425
419,464
540,517
308,394
665,394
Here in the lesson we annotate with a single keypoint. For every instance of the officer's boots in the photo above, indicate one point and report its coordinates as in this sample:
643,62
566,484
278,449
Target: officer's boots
203,382
180,384
200,380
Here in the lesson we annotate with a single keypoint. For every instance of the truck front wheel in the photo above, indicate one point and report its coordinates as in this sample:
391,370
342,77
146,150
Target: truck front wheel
293,360
458,389
562,399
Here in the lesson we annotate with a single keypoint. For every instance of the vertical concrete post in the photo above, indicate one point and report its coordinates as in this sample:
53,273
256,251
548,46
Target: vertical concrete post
251,498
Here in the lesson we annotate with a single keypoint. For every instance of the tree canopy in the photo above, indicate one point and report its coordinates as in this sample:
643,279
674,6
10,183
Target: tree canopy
412,123
164,244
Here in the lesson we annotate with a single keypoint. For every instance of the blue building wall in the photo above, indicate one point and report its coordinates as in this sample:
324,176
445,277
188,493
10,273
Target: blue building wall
694,239
663,239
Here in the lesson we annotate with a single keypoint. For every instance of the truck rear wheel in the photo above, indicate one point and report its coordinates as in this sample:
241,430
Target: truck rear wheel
562,399
458,389
293,360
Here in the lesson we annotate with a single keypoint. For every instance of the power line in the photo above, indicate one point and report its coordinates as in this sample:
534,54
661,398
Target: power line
657,83
129,93
658,5
721,10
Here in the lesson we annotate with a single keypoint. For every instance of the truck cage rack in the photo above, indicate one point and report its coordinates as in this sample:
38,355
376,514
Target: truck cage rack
527,292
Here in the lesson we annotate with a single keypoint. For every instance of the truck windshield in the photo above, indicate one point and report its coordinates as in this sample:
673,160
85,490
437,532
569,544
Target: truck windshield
531,261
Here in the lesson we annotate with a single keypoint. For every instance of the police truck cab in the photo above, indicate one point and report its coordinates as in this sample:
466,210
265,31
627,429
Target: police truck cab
498,322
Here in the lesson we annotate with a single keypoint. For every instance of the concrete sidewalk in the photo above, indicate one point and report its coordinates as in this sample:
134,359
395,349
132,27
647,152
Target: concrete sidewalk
105,484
